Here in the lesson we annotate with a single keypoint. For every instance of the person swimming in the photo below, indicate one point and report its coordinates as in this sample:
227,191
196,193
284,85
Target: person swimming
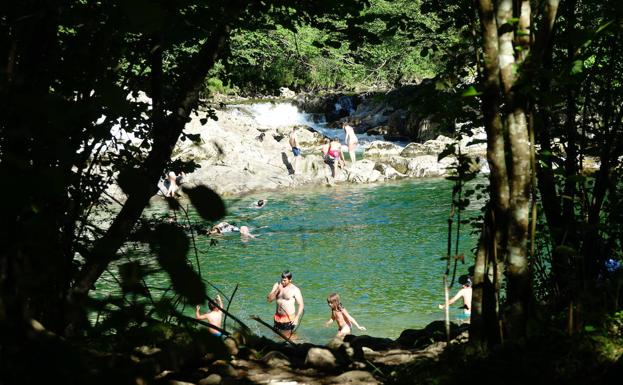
223,227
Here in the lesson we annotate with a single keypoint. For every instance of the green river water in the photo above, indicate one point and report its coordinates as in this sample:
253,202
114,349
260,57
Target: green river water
378,246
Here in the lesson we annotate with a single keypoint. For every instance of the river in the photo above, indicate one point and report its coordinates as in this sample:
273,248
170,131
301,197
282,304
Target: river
379,246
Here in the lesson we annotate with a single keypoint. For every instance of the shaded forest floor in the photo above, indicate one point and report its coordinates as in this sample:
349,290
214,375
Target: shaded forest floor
162,354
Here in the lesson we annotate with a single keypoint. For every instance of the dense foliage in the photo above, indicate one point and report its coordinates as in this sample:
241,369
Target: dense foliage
544,79
74,120
388,44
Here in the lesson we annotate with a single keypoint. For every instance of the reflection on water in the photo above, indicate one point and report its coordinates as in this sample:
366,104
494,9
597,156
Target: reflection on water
378,246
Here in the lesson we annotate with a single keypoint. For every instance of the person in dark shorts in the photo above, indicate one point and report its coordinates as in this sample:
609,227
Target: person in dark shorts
296,150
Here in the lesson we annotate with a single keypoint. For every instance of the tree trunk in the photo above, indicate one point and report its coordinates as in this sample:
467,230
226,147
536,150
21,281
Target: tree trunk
166,134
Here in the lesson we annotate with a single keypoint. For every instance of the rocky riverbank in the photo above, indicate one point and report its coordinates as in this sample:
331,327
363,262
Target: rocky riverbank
239,153
244,359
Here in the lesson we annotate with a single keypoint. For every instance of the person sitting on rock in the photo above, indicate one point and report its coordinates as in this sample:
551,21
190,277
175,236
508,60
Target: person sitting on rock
172,183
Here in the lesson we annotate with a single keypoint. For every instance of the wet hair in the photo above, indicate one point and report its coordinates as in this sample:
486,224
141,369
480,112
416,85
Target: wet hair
465,280
334,301
212,305
260,202
286,274
336,139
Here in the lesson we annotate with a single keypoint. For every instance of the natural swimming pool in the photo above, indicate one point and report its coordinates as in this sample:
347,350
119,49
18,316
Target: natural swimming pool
379,246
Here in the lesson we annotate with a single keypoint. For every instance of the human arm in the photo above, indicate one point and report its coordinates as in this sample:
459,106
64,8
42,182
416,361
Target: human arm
299,300
273,293
452,300
198,313
329,322
352,320
219,301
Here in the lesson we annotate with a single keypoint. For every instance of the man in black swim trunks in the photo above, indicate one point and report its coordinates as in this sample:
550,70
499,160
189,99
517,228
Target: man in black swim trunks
287,296
296,150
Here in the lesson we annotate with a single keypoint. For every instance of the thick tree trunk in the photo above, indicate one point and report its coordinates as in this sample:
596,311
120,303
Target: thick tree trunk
519,293
499,188
509,152
484,323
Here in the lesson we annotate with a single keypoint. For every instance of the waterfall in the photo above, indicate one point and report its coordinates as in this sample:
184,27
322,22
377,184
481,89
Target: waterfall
286,114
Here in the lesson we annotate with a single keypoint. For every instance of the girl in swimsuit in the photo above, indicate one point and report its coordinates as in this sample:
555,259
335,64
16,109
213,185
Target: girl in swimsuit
332,153
339,314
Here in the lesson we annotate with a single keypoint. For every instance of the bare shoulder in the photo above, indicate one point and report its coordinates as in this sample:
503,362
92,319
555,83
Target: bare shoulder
296,290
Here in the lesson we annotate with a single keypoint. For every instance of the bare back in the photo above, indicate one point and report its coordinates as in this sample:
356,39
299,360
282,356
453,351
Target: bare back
341,317
215,317
293,140
350,137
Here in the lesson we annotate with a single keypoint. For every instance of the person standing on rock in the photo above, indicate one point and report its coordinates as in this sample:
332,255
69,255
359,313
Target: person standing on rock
296,150
332,154
351,141
287,296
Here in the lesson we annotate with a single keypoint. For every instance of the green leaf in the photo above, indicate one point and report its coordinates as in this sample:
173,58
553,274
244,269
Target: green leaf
144,16
171,246
470,92
207,203
577,67
131,278
565,250
449,150
133,181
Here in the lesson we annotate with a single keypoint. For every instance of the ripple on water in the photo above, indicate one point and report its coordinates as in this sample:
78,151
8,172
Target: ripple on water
378,246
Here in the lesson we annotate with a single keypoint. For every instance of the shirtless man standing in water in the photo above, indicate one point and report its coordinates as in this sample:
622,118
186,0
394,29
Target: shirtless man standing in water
287,295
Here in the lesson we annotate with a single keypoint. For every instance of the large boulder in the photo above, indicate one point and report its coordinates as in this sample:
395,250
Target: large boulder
320,358
381,149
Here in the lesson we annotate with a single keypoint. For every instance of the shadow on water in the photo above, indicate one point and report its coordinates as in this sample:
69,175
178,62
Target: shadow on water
379,246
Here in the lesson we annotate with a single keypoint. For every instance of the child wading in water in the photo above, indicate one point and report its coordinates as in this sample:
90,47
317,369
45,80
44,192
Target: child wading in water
341,316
